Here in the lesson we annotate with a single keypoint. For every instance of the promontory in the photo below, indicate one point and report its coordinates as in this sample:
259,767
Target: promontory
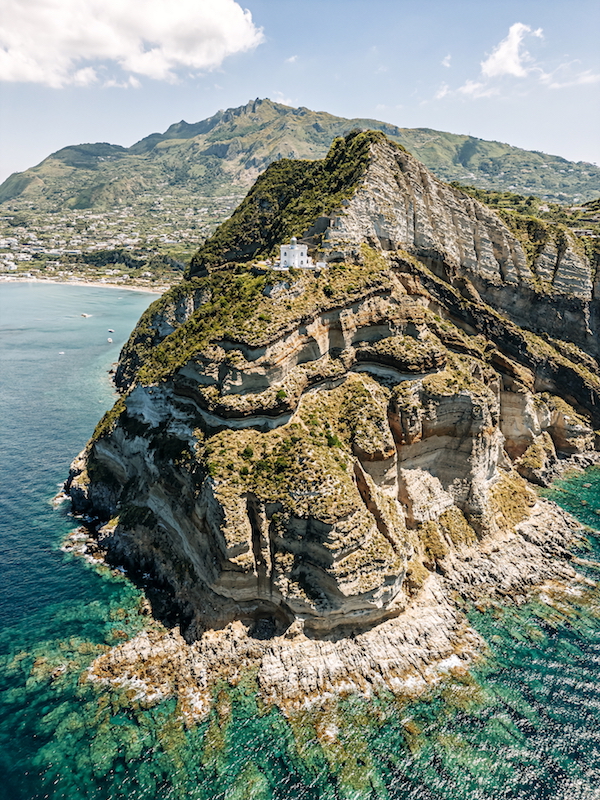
319,466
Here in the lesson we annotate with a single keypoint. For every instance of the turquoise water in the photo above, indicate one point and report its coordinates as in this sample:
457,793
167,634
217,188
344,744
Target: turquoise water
525,726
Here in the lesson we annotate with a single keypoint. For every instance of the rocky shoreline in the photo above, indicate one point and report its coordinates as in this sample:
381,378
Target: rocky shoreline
407,655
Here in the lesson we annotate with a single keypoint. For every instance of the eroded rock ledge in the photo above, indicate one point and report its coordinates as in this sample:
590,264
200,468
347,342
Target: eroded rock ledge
320,468
405,655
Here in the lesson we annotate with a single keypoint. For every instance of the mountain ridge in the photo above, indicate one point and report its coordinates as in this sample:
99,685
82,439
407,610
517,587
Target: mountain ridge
226,151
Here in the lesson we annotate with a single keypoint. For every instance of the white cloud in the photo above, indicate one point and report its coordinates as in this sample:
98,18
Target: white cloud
508,58
130,83
564,77
291,59
280,97
477,89
84,76
60,42
510,66
446,61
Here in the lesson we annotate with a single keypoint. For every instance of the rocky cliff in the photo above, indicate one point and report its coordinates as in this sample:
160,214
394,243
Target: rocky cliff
318,468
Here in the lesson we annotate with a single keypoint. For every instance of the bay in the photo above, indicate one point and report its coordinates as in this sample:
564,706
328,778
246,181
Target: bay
54,387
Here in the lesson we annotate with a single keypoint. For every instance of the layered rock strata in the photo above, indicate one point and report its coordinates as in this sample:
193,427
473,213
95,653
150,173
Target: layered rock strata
316,465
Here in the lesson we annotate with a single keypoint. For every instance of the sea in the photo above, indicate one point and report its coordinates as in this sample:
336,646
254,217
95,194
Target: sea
524,725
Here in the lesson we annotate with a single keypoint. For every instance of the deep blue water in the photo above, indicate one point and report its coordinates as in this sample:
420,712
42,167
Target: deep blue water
525,726
54,387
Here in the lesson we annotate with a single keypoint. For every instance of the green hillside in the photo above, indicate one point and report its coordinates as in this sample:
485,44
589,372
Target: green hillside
224,153
168,192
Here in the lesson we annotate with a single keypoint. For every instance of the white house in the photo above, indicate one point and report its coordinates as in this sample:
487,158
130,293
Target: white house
294,255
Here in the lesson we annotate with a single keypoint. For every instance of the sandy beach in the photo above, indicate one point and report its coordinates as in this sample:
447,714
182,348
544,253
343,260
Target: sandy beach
99,284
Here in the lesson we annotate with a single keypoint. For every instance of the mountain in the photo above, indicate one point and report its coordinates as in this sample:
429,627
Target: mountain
297,198
315,470
88,209
223,155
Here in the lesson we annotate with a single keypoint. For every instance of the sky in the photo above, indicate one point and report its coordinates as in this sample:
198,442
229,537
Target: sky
72,71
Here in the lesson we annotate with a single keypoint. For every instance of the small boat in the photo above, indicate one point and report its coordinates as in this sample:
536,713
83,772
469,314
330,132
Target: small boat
61,353
111,330
86,315
109,340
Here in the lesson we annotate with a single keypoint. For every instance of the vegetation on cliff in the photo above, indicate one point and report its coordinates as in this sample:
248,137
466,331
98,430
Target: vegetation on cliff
243,306
286,201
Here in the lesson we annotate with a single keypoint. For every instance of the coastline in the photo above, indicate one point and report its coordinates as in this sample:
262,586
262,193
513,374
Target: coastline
406,655
159,290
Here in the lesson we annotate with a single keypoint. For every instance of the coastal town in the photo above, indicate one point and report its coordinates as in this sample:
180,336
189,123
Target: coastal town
117,246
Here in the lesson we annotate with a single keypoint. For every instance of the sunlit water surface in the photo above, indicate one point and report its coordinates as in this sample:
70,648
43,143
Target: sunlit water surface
525,726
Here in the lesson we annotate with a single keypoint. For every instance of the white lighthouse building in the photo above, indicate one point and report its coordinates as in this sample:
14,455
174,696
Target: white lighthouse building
295,255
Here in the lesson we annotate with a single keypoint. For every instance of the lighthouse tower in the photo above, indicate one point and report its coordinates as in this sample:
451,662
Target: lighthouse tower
295,255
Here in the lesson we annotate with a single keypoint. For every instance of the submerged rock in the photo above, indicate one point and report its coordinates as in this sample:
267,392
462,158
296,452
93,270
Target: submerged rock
317,472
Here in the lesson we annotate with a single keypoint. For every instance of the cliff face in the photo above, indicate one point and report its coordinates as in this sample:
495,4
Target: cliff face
540,279
314,464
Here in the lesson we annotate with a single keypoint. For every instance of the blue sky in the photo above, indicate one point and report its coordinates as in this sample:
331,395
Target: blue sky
73,71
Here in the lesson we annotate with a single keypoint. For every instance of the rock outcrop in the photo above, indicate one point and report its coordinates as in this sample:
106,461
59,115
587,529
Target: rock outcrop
401,205
315,465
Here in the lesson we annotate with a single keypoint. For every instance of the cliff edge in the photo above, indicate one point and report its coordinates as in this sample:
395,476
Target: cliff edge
319,467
